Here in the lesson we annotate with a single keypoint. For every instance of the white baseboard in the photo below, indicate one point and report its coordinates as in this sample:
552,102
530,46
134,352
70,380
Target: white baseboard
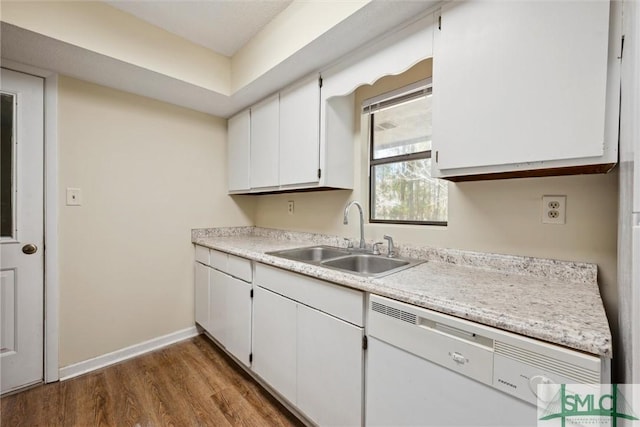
89,365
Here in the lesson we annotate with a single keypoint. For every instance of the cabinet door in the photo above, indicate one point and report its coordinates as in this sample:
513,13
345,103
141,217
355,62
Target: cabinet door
300,133
330,369
265,136
238,147
217,305
274,341
201,292
519,81
237,331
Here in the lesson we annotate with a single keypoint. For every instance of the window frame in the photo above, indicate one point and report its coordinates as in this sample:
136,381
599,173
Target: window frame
388,100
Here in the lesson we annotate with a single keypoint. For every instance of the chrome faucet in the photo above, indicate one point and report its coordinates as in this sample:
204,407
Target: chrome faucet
346,219
391,252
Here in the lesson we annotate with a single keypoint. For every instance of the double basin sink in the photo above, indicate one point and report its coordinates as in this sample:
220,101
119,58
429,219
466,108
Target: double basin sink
349,260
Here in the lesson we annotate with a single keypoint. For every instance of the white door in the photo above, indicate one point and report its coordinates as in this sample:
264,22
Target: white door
22,257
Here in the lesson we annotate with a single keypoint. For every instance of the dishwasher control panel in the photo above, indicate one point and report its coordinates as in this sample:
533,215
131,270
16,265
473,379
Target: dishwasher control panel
508,362
519,371
522,380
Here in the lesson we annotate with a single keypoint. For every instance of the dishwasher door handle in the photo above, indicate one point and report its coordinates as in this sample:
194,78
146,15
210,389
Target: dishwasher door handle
453,331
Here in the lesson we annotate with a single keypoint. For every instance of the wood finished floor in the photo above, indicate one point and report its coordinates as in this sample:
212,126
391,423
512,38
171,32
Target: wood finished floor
191,383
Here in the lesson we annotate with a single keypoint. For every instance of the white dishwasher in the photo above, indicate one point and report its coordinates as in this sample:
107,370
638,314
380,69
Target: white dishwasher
429,369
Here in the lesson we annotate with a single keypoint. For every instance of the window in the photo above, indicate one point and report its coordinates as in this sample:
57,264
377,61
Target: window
401,187
7,166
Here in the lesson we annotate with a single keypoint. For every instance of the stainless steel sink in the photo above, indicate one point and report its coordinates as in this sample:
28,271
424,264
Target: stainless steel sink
311,254
369,265
348,260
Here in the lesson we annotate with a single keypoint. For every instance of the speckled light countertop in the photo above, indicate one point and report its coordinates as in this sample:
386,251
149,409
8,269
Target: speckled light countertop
554,301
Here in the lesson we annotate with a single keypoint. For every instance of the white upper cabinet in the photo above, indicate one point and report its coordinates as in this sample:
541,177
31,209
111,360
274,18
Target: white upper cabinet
523,85
300,133
293,140
238,151
303,137
265,141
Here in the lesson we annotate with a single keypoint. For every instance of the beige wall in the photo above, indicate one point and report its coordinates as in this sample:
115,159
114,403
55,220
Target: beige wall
308,20
100,28
149,172
501,216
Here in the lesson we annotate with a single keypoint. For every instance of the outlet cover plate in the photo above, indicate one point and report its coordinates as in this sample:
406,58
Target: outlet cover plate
554,209
74,197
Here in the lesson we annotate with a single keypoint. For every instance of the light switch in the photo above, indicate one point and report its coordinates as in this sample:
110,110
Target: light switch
74,197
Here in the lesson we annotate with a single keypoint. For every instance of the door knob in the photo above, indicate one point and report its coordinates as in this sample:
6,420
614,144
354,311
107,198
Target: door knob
30,249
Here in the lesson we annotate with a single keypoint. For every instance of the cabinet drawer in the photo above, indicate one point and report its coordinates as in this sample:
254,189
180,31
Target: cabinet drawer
341,302
239,267
202,255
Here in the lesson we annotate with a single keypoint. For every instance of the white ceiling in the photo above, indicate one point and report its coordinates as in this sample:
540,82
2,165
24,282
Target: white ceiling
223,26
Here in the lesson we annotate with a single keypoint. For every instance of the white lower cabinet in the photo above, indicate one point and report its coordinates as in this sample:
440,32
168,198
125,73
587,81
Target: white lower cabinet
223,302
217,316
274,341
330,369
302,336
311,357
237,333
202,295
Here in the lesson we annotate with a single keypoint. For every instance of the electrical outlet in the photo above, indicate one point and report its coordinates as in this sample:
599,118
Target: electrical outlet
554,209
290,206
